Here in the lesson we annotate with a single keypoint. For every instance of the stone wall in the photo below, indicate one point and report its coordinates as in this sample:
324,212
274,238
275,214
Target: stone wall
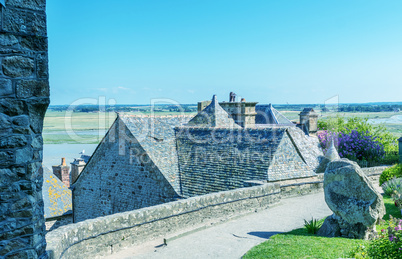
24,92
114,181
374,173
97,237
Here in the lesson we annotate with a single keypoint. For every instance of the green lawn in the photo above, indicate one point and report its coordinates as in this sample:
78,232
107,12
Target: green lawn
300,244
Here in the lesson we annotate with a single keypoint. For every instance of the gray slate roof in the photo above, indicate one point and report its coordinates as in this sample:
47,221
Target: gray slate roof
56,195
213,116
157,137
267,114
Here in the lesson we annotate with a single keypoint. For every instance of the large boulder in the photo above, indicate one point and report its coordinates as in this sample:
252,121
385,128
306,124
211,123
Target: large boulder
356,204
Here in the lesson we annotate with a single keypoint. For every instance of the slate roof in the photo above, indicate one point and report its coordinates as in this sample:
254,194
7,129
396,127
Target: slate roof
267,114
213,116
56,195
157,137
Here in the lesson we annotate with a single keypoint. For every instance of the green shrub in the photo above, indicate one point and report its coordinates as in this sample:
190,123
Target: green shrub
388,244
392,186
391,172
312,226
359,252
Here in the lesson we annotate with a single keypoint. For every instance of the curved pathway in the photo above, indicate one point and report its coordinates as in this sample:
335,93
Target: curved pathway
234,238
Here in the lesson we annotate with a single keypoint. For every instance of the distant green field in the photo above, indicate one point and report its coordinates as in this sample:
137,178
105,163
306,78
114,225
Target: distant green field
89,128
81,127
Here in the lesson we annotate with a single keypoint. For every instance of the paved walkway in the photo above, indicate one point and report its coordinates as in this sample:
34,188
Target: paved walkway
234,238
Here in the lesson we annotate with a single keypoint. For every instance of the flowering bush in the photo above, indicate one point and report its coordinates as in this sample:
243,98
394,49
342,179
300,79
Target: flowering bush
354,145
346,126
389,242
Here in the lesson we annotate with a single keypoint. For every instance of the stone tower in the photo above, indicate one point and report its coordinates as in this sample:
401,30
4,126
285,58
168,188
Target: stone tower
24,97
309,120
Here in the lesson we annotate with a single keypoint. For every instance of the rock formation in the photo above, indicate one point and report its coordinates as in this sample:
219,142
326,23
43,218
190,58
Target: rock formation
356,204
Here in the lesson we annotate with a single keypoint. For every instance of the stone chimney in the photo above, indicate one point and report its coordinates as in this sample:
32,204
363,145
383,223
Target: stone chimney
76,168
62,172
243,113
309,121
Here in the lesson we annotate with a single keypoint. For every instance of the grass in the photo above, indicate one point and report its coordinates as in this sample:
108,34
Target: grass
299,243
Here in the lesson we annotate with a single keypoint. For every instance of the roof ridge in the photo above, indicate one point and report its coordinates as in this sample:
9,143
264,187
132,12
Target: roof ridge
213,116
156,116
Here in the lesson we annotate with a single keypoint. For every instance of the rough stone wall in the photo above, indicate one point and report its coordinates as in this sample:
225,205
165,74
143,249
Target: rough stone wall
24,92
114,181
102,236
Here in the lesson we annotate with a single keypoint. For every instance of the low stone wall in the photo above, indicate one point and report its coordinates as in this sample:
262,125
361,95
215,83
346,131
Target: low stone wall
304,186
102,236
374,173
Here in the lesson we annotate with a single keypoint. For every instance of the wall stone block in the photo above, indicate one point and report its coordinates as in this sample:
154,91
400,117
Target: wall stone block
12,107
38,5
13,141
8,40
6,88
34,43
31,88
42,67
23,155
23,21
5,124
22,120
18,66
6,158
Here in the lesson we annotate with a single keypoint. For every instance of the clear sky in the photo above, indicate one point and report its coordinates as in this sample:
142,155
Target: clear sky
282,51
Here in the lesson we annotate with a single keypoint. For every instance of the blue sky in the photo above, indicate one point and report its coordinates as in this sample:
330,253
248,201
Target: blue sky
290,51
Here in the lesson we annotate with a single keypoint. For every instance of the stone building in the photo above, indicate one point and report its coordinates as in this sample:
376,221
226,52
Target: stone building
144,161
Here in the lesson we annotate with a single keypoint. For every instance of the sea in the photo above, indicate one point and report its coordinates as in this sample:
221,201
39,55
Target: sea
52,153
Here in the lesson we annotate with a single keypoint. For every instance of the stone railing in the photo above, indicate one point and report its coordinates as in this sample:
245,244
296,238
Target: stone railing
105,235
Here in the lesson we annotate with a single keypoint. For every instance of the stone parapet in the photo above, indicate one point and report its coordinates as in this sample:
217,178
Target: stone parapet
102,236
